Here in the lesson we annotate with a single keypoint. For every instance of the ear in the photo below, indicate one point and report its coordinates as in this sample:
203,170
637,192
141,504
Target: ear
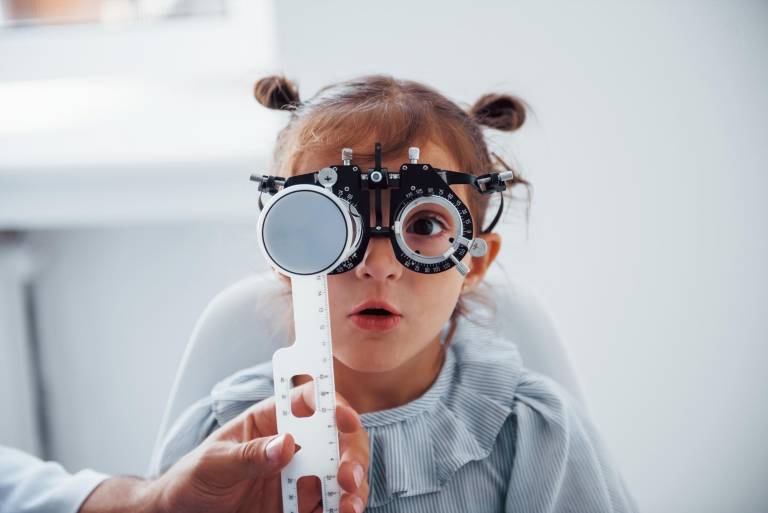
479,265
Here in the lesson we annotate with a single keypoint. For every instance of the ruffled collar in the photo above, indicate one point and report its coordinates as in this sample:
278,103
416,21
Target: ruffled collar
417,447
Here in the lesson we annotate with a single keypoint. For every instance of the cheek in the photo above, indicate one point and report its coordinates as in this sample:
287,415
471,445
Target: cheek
341,293
437,293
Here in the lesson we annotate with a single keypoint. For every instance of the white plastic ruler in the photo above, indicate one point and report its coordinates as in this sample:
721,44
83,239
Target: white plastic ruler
311,354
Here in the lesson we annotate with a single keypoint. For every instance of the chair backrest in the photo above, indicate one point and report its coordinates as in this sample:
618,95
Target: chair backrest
242,326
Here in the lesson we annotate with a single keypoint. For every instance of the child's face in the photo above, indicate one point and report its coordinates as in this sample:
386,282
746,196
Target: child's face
425,301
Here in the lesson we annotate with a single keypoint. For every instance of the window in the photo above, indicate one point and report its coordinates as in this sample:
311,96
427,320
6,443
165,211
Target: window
24,13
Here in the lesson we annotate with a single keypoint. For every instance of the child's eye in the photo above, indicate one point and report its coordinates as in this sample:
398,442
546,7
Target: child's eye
426,225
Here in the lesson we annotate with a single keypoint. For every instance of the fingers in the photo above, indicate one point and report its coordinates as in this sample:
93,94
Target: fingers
260,419
351,504
353,470
340,399
354,447
221,465
353,478
253,451
303,399
347,419
255,422
354,452
352,475
261,457
310,494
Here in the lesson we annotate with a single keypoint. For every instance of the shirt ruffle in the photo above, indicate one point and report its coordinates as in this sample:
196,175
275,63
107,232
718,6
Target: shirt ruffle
416,448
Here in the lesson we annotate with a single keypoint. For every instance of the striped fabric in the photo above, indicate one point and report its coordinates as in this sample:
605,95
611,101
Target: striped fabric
488,435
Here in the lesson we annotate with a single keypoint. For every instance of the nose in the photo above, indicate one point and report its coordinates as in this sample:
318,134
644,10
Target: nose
379,262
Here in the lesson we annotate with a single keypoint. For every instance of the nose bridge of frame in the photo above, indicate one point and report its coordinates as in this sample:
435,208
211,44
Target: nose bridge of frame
386,196
379,244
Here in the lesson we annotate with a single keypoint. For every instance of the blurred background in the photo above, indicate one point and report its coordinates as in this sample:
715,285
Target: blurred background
128,130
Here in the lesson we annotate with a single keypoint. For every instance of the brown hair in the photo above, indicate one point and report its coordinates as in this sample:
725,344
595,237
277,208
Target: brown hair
397,113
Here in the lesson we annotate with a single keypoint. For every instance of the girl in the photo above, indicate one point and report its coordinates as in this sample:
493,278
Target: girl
454,420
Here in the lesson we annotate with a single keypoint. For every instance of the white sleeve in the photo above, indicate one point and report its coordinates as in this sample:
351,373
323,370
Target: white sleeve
29,485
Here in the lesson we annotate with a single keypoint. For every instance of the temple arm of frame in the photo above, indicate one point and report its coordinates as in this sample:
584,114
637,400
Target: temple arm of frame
485,184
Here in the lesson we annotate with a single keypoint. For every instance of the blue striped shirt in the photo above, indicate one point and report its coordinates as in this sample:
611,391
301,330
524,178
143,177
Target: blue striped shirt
488,435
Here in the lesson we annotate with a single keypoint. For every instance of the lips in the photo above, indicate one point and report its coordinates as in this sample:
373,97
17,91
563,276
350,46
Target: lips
376,315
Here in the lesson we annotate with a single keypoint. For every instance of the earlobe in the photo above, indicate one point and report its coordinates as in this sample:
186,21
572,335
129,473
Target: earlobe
493,240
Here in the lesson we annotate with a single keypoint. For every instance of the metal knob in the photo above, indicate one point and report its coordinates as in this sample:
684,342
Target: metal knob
460,266
413,155
346,156
478,248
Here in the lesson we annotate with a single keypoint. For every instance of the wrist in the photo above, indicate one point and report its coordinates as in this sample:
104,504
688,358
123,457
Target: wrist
123,494
150,497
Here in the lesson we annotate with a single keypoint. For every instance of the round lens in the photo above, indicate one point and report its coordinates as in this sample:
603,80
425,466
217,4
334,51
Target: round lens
304,232
429,228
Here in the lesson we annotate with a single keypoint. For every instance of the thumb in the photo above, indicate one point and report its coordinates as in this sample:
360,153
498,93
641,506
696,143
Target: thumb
261,457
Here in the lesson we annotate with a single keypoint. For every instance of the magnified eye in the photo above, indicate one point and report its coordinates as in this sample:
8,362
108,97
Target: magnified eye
427,225
429,229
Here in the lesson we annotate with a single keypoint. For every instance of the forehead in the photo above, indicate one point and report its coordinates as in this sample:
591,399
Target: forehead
430,153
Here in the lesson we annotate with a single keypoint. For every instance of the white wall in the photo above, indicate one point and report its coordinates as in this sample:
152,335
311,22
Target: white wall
647,239
18,395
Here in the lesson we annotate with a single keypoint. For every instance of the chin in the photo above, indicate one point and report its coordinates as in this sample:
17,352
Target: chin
370,358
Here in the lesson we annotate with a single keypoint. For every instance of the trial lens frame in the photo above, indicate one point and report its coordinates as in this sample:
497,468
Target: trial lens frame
411,187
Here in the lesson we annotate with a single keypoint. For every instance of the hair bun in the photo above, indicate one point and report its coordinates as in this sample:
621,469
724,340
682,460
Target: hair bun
499,111
276,92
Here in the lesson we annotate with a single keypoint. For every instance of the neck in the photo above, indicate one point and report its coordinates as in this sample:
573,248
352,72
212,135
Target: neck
374,391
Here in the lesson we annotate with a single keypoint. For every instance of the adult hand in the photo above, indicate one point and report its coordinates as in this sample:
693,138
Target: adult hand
238,467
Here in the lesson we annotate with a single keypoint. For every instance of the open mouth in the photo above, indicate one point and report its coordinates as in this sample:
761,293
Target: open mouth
375,311
376,317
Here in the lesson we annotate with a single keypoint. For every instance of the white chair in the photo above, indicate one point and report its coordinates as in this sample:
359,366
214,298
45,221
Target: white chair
246,323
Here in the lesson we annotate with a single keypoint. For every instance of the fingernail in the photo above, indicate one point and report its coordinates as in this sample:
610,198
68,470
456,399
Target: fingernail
275,448
357,504
358,474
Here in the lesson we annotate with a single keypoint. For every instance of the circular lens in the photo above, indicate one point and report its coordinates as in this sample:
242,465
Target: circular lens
429,227
304,232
